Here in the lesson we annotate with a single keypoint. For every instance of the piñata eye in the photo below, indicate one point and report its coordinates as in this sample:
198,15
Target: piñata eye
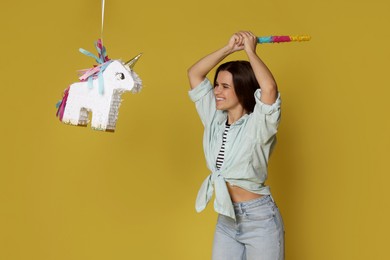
120,76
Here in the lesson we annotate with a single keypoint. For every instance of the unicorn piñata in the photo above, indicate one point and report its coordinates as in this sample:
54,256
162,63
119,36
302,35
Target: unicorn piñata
99,91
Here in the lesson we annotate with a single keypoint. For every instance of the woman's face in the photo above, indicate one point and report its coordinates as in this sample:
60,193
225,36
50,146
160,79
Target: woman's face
226,98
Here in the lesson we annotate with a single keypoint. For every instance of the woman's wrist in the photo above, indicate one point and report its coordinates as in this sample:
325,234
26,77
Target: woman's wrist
227,50
250,49
251,53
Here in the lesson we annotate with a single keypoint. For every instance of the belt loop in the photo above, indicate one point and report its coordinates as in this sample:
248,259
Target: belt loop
240,206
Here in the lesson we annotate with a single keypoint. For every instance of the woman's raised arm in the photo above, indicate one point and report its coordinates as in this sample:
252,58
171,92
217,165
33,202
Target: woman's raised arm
268,86
197,72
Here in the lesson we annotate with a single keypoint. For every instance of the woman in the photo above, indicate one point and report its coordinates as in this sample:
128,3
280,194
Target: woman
240,113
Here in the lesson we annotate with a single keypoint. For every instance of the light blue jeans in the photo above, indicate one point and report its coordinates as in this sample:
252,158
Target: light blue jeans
257,233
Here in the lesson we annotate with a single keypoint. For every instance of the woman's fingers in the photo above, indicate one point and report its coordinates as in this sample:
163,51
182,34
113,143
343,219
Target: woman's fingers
249,40
239,39
243,40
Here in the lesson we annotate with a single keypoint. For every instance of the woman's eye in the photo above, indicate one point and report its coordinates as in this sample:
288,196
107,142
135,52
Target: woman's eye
120,76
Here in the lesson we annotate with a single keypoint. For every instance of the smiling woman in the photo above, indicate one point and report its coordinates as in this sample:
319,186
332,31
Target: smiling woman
241,116
225,95
239,76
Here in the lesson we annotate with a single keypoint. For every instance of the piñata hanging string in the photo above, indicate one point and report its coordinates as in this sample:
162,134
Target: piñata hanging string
102,28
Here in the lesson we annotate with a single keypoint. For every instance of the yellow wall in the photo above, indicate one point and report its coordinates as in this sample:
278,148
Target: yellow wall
74,193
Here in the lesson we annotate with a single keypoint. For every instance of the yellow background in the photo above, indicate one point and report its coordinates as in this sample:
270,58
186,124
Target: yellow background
75,193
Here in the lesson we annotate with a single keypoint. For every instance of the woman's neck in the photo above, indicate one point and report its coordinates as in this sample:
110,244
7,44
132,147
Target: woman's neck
234,115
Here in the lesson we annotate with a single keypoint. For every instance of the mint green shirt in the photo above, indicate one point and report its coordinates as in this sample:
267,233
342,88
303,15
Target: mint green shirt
248,146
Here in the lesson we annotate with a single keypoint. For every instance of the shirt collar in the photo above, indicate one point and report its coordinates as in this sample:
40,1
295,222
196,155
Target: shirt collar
222,117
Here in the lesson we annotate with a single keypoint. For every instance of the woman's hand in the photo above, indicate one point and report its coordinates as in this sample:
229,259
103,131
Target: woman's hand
250,41
235,43
243,40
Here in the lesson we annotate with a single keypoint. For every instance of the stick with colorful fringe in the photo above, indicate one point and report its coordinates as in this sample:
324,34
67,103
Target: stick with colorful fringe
279,39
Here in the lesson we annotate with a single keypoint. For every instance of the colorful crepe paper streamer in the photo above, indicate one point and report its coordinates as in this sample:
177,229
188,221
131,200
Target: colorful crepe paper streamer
279,39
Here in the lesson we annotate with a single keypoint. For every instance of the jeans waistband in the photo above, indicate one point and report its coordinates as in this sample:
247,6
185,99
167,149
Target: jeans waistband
238,206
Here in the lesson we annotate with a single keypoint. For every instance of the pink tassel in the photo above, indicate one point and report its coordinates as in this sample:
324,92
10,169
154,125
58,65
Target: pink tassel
61,107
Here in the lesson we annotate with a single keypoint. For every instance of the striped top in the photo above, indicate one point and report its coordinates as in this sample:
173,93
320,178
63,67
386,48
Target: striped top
221,154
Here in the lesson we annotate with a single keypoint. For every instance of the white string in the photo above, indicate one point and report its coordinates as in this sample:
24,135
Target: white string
101,32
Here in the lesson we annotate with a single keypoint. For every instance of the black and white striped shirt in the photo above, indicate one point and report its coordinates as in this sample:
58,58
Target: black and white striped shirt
221,154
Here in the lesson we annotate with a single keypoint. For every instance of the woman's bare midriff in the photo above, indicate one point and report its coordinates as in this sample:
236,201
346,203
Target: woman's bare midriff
238,194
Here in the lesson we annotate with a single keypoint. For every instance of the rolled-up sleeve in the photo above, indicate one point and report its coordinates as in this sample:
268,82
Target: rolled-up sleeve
204,99
267,116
